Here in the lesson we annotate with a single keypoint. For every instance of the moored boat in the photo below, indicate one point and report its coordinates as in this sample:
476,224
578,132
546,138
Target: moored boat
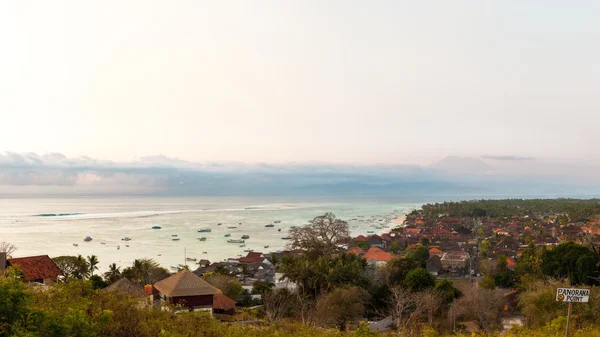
127,238
270,225
202,238
204,230
286,238
227,235
87,239
235,241
156,227
175,239
245,236
277,221
266,246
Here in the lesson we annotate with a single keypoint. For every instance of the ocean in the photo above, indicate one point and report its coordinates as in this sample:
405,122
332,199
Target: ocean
58,226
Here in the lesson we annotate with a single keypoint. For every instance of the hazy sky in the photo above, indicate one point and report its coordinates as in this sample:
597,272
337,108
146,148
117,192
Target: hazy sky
333,81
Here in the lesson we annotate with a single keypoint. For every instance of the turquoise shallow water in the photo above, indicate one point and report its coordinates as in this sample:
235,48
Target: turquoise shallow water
108,220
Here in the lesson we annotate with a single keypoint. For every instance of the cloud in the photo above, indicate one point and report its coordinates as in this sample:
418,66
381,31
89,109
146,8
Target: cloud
507,158
55,173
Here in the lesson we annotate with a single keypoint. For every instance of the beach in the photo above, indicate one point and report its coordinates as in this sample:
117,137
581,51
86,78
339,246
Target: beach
58,227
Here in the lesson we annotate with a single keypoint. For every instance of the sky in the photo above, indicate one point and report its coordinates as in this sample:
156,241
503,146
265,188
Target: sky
389,82
141,93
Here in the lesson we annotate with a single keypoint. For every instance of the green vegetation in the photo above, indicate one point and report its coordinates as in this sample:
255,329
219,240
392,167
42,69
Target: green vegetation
577,209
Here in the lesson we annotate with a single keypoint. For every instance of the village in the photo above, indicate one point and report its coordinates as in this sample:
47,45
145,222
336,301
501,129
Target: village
460,249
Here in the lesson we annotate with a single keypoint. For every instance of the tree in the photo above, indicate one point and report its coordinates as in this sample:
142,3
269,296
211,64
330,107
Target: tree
405,307
92,262
488,282
419,279
278,304
395,247
482,305
324,273
447,291
229,285
341,306
13,306
222,270
113,273
324,235
259,287
145,271
398,268
72,267
8,248
97,282
421,254
431,301
484,248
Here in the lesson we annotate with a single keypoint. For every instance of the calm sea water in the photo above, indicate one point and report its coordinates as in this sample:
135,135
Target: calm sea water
108,220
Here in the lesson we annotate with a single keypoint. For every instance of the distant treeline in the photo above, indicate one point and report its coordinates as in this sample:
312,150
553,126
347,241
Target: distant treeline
577,209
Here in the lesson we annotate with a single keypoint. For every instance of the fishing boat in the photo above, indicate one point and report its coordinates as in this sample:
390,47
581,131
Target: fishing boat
127,238
286,238
243,245
219,224
235,241
204,230
370,232
173,235
190,259
227,235
248,250
277,221
202,238
270,225
378,227
204,253
175,239
87,239
156,227
231,227
245,236
266,246
76,245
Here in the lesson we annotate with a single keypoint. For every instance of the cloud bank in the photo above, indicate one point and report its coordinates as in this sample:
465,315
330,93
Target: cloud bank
57,174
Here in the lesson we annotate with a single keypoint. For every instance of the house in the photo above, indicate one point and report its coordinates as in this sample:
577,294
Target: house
223,305
253,258
435,251
39,269
375,241
203,263
187,290
356,250
360,238
377,256
127,288
454,262
434,265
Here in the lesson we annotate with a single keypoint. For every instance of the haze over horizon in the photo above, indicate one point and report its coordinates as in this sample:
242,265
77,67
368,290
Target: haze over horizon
140,94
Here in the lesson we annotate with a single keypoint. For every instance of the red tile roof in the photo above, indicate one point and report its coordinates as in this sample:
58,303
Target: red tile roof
222,302
360,238
435,251
377,254
412,230
36,267
356,250
253,257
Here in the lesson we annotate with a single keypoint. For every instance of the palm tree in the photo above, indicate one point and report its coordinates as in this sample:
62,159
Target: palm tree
113,273
93,263
82,270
